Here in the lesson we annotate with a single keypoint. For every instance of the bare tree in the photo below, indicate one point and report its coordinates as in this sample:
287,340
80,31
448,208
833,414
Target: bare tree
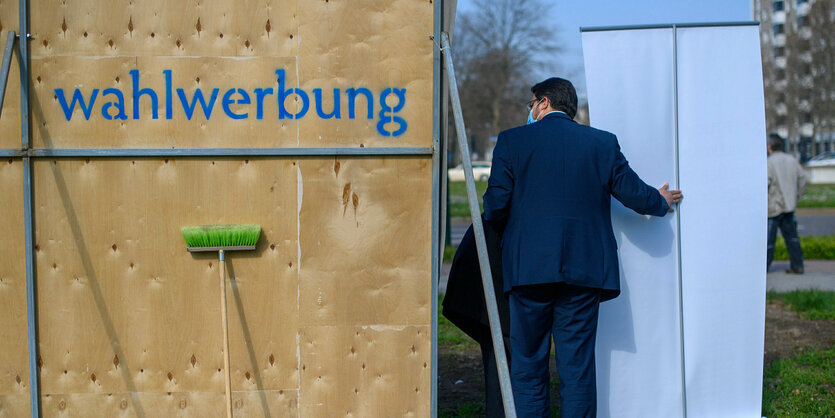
762,11
497,46
822,47
794,76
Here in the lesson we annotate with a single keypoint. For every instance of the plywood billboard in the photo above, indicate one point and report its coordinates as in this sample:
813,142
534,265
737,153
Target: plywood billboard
276,73
330,315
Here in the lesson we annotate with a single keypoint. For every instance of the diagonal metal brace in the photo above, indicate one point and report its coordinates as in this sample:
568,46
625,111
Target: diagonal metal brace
4,69
481,244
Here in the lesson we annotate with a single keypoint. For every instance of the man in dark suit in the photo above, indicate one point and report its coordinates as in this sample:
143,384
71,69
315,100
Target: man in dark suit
550,192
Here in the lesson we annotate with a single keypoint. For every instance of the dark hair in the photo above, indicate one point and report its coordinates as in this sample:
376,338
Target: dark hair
775,142
560,92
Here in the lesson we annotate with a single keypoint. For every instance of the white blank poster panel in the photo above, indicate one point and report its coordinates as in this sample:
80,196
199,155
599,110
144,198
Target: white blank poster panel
722,161
630,90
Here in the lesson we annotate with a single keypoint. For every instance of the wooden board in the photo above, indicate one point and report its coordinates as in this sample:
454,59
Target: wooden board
364,297
378,52
14,358
365,371
378,45
128,320
10,117
206,28
365,242
124,307
275,403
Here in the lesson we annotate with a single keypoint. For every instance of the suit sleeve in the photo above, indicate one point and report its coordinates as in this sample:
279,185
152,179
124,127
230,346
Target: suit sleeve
500,185
629,189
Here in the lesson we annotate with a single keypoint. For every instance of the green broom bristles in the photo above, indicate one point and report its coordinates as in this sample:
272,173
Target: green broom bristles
221,235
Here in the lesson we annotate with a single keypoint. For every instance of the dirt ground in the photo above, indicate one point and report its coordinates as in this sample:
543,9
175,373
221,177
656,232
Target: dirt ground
786,335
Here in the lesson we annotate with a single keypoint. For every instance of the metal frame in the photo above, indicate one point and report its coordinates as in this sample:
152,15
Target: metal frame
678,228
4,153
28,210
437,247
667,26
481,243
4,68
228,152
213,152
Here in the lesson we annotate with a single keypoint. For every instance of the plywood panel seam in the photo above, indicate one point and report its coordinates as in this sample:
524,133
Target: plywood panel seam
299,200
137,57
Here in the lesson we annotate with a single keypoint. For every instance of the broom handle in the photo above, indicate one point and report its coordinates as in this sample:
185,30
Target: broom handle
225,334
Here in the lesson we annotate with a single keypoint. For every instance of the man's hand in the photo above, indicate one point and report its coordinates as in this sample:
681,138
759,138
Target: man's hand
671,196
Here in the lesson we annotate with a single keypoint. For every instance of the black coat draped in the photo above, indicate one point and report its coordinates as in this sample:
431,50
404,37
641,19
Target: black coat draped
463,303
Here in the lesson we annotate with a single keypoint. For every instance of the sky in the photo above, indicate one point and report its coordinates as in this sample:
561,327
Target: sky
570,16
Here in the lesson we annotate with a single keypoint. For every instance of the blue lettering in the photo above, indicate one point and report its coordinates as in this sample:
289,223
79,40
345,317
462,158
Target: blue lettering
282,96
137,93
317,95
236,102
169,107
260,94
391,118
198,96
352,101
119,104
227,100
77,97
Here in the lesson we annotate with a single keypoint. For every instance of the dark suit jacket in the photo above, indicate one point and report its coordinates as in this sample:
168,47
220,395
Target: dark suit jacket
463,302
550,190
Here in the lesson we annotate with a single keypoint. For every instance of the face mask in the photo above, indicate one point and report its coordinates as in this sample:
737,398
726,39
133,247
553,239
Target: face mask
530,114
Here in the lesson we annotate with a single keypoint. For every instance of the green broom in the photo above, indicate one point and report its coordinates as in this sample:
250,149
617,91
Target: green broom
222,238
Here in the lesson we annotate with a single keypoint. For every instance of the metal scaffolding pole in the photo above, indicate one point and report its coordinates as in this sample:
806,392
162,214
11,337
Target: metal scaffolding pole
478,229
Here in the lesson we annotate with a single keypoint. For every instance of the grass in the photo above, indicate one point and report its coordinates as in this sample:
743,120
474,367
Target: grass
449,253
803,386
464,410
449,336
809,304
814,248
458,203
818,196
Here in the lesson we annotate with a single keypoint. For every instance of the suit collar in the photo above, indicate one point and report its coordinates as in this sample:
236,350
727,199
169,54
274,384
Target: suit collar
556,114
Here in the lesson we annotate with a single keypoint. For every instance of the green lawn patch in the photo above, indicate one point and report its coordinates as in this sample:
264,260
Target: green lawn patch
809,304
464,410
458,203
818,196
814,248
449,336
449,253
803,386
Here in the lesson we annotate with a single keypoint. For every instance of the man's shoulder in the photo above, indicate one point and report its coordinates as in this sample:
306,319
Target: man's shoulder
523,130
781,158
574,129
598,133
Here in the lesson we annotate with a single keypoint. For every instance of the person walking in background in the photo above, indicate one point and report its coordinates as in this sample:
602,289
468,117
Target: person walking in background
549,194
786,185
